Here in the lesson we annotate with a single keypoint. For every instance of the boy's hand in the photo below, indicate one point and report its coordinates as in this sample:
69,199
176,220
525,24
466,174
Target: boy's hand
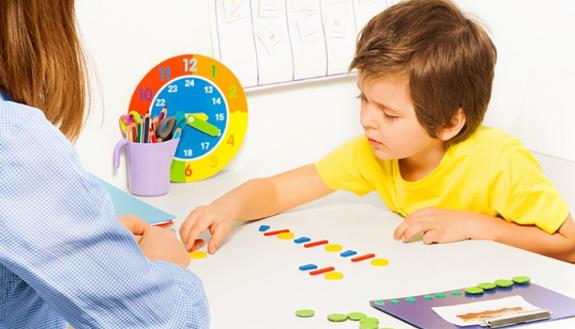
212,217
156,243
437,225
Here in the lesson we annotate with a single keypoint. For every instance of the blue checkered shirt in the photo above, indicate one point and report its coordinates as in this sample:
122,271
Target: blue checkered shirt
64,257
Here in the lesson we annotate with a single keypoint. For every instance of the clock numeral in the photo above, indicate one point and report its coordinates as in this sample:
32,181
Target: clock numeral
190,64
231,141
214,161
189,83
160,102
188,152
188,171
165,73
213,71
233,92
145,94
220,117
205,145
173,89
208,89
216,100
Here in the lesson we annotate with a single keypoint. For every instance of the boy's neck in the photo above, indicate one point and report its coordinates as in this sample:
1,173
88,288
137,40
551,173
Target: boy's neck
422,164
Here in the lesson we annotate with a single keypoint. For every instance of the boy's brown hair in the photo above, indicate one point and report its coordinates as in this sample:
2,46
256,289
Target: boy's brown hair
448,59
41,63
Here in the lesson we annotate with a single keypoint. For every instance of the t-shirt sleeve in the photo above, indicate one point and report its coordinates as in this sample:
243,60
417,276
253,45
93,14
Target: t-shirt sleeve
342,169
522,193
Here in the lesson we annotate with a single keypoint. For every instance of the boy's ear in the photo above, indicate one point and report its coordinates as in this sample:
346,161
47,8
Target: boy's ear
454,127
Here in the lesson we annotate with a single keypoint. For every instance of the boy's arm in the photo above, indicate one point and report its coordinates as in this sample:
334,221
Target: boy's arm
257,198
560,245
441,225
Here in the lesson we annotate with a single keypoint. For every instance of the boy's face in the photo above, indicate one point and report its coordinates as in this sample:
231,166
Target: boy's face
389,121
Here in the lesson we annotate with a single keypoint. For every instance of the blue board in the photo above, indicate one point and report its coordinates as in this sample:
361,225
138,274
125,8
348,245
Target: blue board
126,204
418,312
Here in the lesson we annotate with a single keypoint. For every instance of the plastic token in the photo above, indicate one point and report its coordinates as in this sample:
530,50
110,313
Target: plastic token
379,302
456,293
428,297
380,262
369,325
304,313
394,301
411,299
369,320
348,253
356,316
302,239
504,283
474,291
308,267
198,254
487,285
337,317
333,275
333,247
440,295
286,236
521,279
264,228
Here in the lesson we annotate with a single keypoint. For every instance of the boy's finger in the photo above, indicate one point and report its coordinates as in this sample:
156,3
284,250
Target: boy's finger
216,240
187,225
197,244
194,233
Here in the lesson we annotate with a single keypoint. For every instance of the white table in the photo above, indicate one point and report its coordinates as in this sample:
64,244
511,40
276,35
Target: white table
254,281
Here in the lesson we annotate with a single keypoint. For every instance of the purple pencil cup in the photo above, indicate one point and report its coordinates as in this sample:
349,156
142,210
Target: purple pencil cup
148,165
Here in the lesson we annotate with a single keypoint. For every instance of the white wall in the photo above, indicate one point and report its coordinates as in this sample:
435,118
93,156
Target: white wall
297,124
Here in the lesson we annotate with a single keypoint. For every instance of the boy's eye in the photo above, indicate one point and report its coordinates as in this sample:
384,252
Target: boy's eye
389,117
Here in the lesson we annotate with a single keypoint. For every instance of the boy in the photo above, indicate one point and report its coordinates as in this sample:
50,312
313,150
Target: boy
425,73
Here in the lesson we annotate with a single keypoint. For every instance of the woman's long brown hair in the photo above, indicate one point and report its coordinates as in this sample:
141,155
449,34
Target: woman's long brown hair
41,62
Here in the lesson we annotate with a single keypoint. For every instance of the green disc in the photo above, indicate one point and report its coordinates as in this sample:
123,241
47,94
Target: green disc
440,295
356,316
428,297
379,302
304,313
474,291
367,320
487,285
456,293
394,301
337,317
411,299
504,283
369,325
521,279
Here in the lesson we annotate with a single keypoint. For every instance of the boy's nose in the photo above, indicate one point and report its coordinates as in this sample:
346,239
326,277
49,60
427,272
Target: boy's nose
367,118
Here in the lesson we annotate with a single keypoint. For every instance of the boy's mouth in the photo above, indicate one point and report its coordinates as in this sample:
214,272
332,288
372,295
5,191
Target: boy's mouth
374,142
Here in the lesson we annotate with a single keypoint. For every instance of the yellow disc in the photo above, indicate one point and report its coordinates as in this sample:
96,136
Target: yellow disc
198,254
333,247
333,275
380,262
286,236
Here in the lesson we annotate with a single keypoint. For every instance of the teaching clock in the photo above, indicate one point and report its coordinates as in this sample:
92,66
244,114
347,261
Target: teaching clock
208,100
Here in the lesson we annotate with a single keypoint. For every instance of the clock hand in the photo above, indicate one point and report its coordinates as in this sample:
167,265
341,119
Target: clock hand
203,126
200,115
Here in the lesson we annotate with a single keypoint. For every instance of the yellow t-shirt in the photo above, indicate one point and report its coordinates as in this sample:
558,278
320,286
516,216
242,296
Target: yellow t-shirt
491,173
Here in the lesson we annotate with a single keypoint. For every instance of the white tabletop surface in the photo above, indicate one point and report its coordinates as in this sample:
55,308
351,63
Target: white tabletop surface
254,281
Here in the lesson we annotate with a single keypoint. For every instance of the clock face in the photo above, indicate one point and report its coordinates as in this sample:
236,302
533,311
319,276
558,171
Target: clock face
213,104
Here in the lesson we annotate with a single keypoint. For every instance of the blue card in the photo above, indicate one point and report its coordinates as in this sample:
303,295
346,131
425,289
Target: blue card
126,204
